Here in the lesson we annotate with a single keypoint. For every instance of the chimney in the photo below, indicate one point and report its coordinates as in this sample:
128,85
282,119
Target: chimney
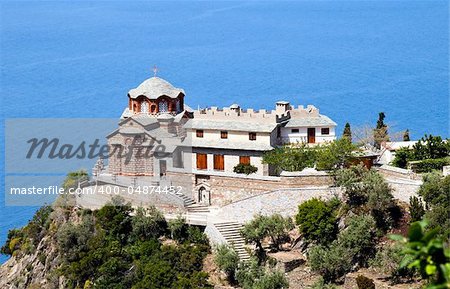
236,108
282,106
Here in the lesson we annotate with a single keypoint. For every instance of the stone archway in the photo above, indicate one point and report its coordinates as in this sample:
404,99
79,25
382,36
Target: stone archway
203,194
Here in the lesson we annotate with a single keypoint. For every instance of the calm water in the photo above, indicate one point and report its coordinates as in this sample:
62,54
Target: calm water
351,59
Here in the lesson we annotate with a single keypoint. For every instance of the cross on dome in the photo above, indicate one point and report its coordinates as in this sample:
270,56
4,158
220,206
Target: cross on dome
155,70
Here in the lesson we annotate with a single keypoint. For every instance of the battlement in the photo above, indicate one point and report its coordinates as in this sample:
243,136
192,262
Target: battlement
283,111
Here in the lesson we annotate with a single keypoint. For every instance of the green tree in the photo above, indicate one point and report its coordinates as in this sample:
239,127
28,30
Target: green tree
380,133
367,191
347,132
334,155
317,221
148,223
416,209
261,227
402,157
277,229
430,147
290,158
435,191
353,248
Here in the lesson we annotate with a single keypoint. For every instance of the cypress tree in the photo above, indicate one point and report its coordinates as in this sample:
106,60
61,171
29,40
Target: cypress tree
347,132
406,135
380,133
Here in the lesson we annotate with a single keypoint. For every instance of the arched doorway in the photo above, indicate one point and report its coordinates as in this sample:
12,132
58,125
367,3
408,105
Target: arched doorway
203,196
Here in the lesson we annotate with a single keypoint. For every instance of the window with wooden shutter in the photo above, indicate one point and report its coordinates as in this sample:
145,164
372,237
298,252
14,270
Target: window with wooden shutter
202,162
199,133
244,160
252,135
219,163
223,134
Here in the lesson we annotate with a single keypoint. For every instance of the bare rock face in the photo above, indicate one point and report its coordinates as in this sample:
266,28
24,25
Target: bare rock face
35,270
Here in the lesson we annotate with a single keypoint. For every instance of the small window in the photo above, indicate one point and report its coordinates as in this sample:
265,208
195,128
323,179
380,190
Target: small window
199,133
223,134
325,131
244,160
295,130
252,135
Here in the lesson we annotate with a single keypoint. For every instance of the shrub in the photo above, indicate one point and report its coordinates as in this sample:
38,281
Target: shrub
320,284
195,235
330,262
227,259
271,280
429,165
359,238
245,169
429,153
364,283
402,156
247,272
354,246
252,276
178,229
416,209
434,191
148,223
367,191
317,221
388,260
12,243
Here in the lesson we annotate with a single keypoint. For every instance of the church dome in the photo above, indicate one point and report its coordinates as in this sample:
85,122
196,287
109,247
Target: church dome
155,87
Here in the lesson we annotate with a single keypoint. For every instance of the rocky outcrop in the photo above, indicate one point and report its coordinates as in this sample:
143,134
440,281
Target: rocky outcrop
34,270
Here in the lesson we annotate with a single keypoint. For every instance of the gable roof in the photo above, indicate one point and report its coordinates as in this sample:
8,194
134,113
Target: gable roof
320,120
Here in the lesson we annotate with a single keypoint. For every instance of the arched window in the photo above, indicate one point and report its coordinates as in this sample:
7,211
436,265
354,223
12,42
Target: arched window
163,106
153,108
144,106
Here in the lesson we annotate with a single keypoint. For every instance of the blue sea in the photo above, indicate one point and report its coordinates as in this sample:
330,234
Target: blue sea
351,59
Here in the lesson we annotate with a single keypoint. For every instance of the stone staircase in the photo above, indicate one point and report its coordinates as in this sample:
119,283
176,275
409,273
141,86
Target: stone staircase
231,233
186,200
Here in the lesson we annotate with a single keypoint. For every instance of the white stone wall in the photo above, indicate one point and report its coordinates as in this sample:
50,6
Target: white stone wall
302,136
238,137
283,201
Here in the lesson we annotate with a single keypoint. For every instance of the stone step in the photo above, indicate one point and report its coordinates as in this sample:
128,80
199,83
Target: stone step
230,231
229,228
194,209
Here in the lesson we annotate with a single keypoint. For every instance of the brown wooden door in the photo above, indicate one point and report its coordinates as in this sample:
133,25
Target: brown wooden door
219,163
311,135
202,162
162,167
